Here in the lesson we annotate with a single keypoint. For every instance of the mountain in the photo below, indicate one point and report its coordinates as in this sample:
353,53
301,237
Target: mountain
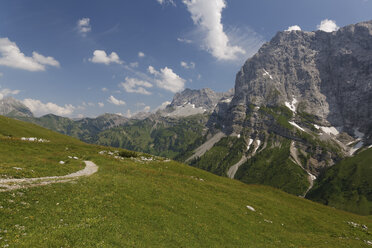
300,108
191,102
302,104
152,201
85,129
14,108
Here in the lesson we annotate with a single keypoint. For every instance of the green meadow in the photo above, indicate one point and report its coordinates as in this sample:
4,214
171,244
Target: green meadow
142,202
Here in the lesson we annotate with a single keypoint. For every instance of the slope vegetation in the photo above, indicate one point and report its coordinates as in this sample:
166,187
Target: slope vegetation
140,200
347,185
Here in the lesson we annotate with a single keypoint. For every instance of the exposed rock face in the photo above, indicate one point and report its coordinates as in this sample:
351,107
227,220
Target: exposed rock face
192,102
204,98
329,75
14,108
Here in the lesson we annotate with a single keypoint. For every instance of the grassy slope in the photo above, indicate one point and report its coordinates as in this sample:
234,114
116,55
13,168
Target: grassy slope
273,167
167,138
129,203
228,151
347,185
33,159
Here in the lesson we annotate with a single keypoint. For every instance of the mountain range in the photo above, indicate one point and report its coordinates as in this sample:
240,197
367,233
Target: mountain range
299,119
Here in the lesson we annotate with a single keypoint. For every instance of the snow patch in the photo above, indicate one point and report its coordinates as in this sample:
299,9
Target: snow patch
258,142
316,126
313,177
238,136
330,130
267,74
292,105
249,144
61,162
356,147
358,134
227,100
370,146
295,125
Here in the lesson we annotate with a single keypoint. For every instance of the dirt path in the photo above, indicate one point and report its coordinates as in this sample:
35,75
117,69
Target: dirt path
13,184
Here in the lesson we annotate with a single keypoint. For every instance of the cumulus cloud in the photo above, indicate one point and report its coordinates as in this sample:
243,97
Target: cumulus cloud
104,89
83,26
167,79
115,101
101,104
163,105
39,108
327,26
293,28
184,40
133,85
11,56
100,57
166,2
141,54
7,92
207,16
186,65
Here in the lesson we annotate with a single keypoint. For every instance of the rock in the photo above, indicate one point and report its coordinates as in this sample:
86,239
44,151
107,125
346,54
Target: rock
329,75
251,208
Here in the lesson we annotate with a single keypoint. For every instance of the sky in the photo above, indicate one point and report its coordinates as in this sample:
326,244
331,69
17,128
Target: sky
84,58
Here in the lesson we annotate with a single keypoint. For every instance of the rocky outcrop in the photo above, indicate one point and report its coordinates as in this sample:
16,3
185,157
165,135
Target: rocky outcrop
204,98
326,74
14,108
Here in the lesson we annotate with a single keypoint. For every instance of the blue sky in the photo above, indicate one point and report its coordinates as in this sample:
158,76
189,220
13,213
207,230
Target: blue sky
85,58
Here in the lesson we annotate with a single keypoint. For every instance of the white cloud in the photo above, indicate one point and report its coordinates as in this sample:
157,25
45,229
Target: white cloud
38,108
11,56
83,26
101,104
141,54
115,101
89,104
184,40
162,106
146,108
207,16
185,65
7,92
104,89
134,64
327,26
293,28
133,85
167,79
100,57
166,2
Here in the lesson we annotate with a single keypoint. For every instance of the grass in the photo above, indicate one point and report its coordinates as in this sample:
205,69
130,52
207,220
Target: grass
225,153
273,167
132,203
168,137
347,185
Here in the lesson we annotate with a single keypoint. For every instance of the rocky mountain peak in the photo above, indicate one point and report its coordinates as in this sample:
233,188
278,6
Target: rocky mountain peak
203,98
326,74
12,107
